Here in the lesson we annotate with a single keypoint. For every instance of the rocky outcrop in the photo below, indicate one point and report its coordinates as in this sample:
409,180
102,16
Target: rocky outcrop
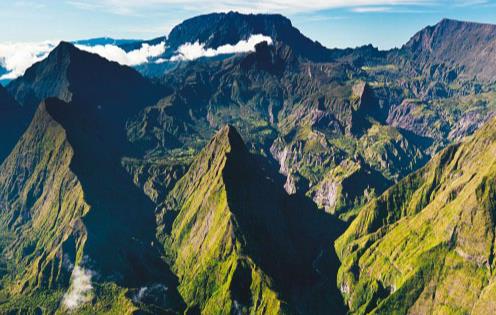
347,187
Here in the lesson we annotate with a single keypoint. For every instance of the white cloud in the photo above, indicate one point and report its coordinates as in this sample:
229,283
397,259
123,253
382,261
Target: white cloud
81,289
191,51
153,290
17,57
132,58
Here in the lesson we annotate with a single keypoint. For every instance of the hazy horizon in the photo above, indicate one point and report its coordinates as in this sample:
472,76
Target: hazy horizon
334,23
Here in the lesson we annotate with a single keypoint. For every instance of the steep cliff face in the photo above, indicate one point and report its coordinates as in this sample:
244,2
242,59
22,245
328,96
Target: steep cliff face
13,122
347,186
427,244
259,258
456,43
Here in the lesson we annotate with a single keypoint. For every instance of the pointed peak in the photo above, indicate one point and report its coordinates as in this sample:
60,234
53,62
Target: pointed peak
68,51
64,48
229,130
228,135
65,45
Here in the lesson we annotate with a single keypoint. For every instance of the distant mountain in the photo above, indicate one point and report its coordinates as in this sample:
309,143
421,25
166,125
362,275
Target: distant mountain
106,41
126,44
74,75
217,29
2,72
133,45
465,45
427,244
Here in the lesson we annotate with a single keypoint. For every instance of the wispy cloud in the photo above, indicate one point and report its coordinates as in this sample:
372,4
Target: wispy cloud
371,9
29,4
85,5
468,3
81,289
128,7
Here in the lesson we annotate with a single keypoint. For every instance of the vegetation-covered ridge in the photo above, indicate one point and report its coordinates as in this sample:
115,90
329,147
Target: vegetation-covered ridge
236,240
427,244
68,243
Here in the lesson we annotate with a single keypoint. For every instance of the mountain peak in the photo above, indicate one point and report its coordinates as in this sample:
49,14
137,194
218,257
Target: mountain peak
447,30
448,21
466,45
227,141
230,133
217,29
69,73
63,45
64,51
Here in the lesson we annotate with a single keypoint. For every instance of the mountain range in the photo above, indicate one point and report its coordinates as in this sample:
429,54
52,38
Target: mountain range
286,179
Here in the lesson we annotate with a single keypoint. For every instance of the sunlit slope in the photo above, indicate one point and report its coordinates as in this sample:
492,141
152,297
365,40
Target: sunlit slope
427,244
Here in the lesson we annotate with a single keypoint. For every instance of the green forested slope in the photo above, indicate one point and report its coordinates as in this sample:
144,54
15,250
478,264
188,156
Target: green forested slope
427,244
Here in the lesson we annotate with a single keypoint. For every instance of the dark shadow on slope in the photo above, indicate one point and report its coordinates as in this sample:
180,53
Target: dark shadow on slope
421,141
121,242
13,122
287,236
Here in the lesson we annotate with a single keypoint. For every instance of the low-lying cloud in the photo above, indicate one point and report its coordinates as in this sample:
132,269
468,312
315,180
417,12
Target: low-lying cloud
131,58
81,289
191,51
16,58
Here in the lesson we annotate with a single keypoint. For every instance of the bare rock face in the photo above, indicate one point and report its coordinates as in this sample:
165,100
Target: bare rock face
468,124
347,186
290,185
327,195
412,116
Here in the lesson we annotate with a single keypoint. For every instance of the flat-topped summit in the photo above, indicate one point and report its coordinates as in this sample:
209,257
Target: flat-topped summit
217,29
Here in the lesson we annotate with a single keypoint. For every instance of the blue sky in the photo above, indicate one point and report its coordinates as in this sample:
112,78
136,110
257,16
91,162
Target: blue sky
335,23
